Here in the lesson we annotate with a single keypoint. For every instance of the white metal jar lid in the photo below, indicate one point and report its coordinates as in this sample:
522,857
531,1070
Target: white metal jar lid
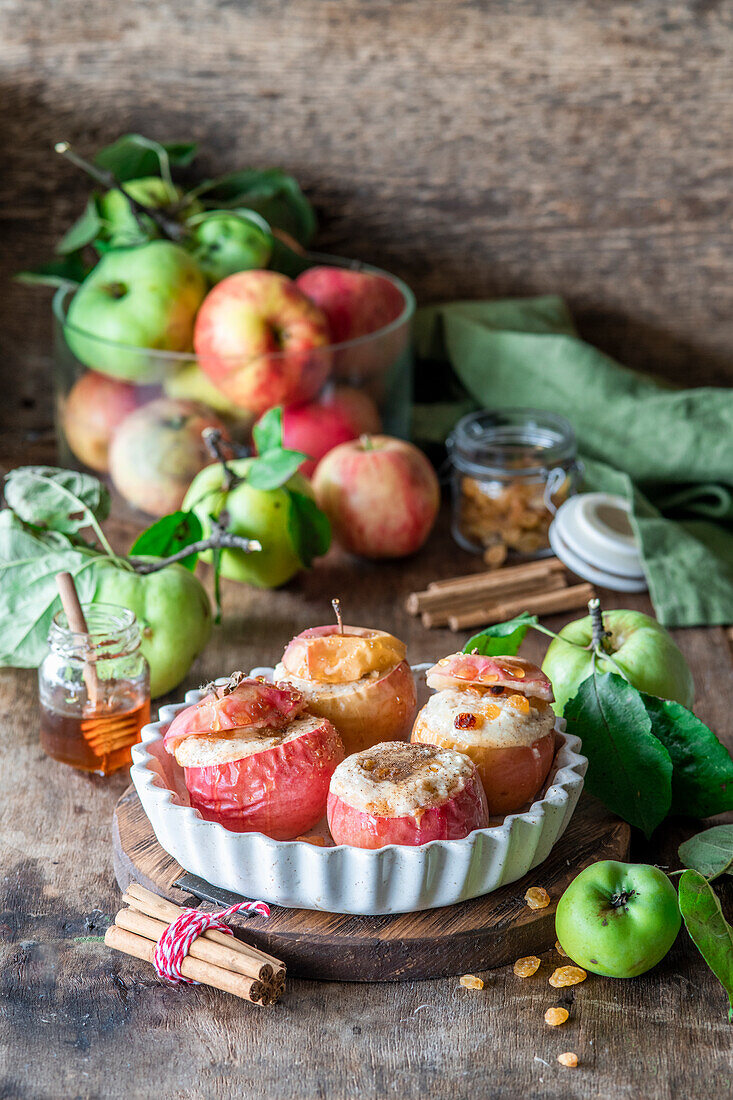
593,536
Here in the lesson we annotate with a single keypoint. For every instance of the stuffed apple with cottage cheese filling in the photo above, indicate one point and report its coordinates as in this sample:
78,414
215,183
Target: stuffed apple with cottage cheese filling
497,711
254,759
398,793
356,678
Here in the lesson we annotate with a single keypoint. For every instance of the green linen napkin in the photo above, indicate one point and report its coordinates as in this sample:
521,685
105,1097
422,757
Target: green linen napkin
668,451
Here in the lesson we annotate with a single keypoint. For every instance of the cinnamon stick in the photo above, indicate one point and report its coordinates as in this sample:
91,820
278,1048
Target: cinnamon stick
564,599
152,905
540,568
227,957
249,989
451,601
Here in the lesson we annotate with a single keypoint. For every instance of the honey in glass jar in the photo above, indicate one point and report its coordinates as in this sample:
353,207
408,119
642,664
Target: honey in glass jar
94,690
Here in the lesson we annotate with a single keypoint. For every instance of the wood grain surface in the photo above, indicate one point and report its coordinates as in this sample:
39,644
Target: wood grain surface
481,934
477,148
77,1020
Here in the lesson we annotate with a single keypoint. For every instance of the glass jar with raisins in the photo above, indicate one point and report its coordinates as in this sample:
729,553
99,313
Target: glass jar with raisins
511,470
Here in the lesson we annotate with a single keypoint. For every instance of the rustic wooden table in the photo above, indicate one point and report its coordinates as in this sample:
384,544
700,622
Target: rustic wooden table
77,1020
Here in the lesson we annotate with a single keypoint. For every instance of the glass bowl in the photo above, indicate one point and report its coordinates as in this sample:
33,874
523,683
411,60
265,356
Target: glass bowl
100,382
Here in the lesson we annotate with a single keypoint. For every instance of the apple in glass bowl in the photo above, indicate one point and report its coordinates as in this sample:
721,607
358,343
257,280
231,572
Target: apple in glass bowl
355,677
397,793
254,760
496,710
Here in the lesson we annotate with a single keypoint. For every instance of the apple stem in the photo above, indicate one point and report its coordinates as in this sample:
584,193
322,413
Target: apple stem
600,634
218,540
169,227
336,605
366,442
212,437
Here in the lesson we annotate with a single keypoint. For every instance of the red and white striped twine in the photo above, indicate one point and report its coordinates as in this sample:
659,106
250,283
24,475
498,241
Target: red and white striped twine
174,944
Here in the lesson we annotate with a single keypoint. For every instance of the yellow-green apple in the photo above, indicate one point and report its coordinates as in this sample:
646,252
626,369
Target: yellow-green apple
357,678
172,610
135,299
318,426
380,494
190,383
157,452
91,414
226,241
254,513
121,226
358,304
637,645
261,341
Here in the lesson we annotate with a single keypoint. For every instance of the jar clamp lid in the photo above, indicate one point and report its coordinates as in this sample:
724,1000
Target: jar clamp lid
593,536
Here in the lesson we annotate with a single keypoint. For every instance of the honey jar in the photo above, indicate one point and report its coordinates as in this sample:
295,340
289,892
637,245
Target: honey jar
94,689
511,470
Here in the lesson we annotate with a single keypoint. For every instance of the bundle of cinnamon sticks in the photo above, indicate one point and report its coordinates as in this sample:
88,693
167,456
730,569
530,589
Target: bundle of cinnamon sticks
216,959
481,599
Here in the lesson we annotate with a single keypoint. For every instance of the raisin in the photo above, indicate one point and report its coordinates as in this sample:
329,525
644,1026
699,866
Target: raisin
465,721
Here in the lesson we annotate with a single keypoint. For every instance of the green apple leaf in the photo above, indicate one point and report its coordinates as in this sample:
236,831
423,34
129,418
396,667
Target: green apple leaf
61,500
288,262
702,777
268,431
710,852
501,639
68,271
274,469
629,769
270,192
708,928
133,156
308,527
84,230
169,535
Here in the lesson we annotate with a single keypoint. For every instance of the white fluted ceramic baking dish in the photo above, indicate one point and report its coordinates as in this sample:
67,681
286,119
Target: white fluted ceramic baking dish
340,879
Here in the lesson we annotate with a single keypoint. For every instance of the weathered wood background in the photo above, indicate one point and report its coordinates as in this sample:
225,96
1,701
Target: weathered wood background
476,147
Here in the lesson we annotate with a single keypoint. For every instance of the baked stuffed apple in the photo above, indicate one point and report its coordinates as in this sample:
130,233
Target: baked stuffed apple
254,759
497,711
356,678
398,793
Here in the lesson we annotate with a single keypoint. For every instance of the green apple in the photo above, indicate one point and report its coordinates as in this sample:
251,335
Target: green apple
227,241
190,383
173,612
121,227
618,919
143,297
640,647
254,513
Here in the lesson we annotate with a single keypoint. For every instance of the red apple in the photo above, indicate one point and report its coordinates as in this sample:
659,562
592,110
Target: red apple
497,711
318,427
261,341
359,680
254,760
158,450
94,409
359,304
381,495
405,794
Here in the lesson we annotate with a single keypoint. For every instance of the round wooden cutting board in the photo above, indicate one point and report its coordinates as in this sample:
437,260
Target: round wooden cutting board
474,935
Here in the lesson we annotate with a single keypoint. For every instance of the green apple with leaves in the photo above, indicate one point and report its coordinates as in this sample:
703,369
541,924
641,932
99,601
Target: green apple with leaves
636,645
224,242
135,299
122,227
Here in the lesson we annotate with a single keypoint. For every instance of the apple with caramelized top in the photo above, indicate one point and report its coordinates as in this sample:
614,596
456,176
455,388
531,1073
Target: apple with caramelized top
397,793
497,711
357,678
254,759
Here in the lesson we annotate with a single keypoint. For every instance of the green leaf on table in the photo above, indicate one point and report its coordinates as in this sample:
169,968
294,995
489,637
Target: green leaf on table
29,562
274,469
63,500
70,270
702,779
710,852
268,431
501,639
629,769
270,192
133,156
708,928
85,229
168,535
308,527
